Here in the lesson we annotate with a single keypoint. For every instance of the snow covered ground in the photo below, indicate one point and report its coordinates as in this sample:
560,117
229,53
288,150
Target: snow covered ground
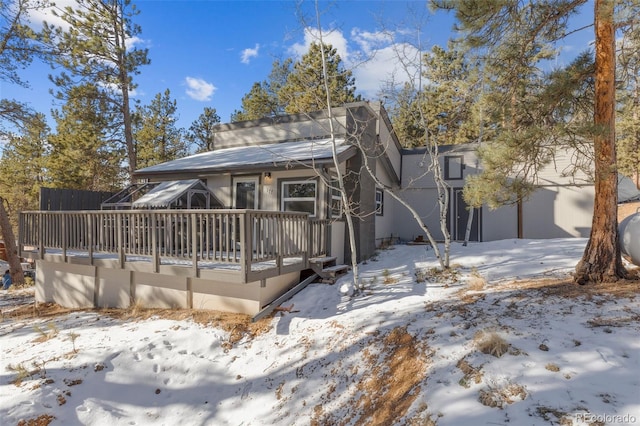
473,348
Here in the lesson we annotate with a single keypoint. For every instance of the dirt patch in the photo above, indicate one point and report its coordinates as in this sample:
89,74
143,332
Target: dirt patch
395,379
629,288
42,420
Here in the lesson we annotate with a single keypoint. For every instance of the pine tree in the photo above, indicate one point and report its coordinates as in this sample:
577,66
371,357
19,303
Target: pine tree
23,166
157,138
447,98
303,90
82,154
16,52
263,101
515,38
94,50
202,131
628,114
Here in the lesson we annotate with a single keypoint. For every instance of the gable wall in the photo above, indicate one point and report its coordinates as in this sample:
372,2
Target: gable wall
240,134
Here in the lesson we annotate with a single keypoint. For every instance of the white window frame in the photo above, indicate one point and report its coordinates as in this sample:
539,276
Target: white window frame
284,199
253,179
379,202
453,167
336,199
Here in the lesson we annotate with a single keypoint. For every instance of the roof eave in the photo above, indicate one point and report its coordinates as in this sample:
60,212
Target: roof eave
262,167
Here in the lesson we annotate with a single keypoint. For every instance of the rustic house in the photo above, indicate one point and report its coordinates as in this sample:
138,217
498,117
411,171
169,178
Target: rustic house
241,227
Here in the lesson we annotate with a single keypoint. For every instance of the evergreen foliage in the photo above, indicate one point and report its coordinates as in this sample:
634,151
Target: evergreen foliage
94,50
202,131
628,79
83,155
303,90
23,165
298,87
447,100
263,101
157,138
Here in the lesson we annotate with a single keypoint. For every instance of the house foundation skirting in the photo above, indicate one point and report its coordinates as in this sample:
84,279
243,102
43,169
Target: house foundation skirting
77,286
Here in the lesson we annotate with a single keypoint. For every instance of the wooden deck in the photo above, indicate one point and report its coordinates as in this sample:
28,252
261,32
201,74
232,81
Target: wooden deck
250,244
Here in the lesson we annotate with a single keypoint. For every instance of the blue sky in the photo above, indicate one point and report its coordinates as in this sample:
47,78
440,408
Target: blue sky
209,53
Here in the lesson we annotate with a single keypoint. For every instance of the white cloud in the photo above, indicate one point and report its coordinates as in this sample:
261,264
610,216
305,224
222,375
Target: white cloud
37,17
131,42
249,53
333,37
375,58
199,89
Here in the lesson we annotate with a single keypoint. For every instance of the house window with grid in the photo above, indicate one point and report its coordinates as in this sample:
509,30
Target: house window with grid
453,167
379,202
336,203
299,196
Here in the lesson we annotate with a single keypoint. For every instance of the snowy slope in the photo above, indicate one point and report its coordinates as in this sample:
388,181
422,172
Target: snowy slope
405,351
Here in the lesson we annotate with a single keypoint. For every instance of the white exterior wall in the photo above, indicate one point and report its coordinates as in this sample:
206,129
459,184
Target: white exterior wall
236,135
385,223
559,212
499,224
562,206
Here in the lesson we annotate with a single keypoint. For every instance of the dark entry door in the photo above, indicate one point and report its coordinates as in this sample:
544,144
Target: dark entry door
460,215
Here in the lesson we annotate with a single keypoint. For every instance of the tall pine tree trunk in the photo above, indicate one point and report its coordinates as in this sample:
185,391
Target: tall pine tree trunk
13,259
601,261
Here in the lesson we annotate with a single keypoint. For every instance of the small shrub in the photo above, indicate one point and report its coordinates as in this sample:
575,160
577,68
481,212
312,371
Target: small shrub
552,367
388,278
72,337
48,334
21,373
491,344
498,397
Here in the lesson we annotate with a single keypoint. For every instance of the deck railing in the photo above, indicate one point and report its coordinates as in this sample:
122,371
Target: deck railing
243,237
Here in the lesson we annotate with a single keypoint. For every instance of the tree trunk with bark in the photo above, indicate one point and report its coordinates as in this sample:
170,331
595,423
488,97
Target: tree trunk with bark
602,261
17,276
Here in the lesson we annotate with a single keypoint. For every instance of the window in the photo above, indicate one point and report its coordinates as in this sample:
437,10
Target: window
379,202
336,203
245,193
453,166
299,196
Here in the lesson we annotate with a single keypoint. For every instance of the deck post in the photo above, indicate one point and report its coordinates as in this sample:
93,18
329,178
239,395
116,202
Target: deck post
154,243
41,235
120,231
89,223
65,237
194,245
280,239
245,265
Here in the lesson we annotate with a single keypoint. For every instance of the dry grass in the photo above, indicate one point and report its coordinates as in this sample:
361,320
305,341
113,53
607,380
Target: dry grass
566,288
471,373
395,365
552,367
498,397
42,420
490,343
238,326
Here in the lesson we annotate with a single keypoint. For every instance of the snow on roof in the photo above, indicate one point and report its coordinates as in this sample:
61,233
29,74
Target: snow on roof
165,193
278,154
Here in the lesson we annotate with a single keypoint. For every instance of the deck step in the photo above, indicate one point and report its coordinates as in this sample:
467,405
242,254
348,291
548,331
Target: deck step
336,269
330,275
323,260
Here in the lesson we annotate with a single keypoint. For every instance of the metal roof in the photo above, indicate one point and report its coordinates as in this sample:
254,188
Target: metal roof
271,156
165,193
